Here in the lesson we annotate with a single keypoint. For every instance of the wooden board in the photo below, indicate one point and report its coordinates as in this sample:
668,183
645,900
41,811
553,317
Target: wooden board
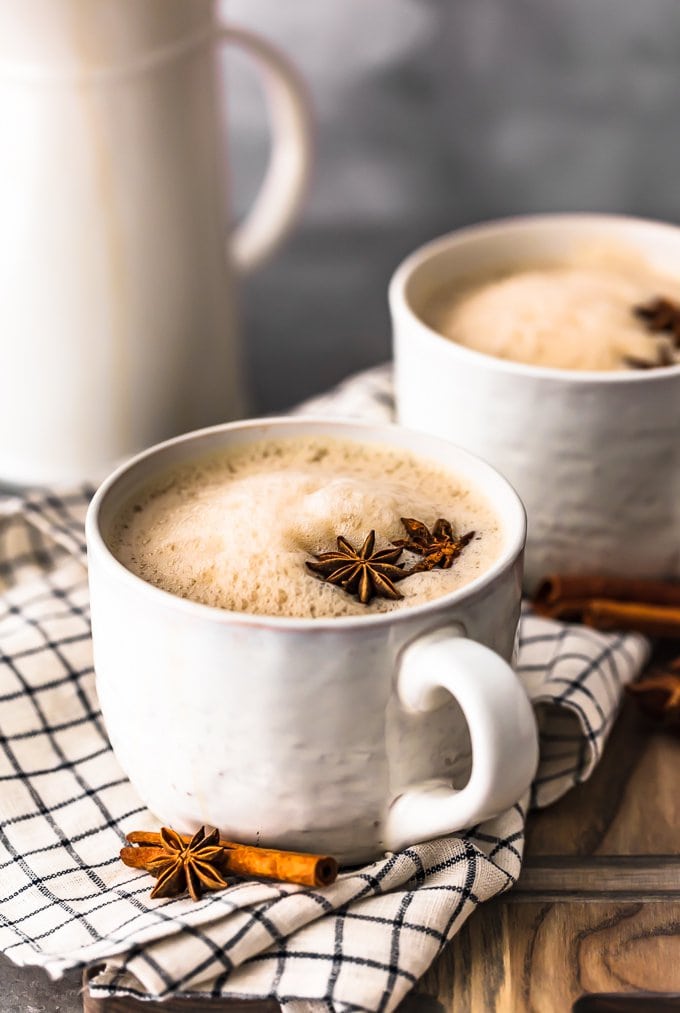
595,918
124,1005
597,908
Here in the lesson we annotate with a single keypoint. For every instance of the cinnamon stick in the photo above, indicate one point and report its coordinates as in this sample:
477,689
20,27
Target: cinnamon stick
658,694
563,596
246,861
137,858
288,866
150,837
654,620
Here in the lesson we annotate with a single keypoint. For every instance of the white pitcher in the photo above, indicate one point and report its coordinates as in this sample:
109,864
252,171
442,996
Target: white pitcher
117,322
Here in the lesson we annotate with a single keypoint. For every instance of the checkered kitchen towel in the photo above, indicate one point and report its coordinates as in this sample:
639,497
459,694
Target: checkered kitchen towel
65,806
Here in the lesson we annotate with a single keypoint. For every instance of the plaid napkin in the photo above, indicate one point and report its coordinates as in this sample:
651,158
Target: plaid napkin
65,806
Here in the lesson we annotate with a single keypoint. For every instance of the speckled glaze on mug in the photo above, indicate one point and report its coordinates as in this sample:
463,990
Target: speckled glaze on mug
595,456
343,736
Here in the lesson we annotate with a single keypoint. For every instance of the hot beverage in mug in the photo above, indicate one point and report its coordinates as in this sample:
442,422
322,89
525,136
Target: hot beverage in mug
550,346
600,309
237,530
271,663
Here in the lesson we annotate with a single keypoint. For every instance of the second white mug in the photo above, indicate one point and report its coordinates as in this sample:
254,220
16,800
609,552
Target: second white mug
594,456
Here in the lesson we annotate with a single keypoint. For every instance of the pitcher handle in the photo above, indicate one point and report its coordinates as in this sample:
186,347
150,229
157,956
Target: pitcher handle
502,728
280,195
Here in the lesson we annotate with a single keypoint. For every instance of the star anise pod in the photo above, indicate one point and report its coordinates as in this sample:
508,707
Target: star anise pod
661,315
438,547
364,573
194,866
659,694
664,357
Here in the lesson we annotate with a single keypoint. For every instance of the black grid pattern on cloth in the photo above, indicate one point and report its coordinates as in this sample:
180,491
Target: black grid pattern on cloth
65,807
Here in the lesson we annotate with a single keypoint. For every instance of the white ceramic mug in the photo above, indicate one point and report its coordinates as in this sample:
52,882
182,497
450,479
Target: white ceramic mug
117,305
342,736
595,456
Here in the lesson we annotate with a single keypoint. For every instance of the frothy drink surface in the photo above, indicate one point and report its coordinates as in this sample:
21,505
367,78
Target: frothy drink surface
579,314
234,530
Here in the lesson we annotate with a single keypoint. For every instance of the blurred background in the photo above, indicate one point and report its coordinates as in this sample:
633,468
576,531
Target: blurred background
432,114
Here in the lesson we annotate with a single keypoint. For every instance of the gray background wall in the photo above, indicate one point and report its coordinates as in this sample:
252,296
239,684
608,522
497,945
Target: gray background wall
432,114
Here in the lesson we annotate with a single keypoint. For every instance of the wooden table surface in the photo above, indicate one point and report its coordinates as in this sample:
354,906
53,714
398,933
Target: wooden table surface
594,921
597,907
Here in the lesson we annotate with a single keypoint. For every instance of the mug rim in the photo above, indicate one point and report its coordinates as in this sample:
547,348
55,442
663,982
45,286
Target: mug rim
400,304
99,550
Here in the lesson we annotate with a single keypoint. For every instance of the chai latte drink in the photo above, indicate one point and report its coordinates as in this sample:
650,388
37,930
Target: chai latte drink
237,529
605,309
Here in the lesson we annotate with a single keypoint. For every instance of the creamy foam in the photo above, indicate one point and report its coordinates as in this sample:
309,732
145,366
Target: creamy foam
572,315
234,530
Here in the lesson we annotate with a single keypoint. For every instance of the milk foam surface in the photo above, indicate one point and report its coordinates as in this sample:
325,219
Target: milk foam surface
234,530
576,315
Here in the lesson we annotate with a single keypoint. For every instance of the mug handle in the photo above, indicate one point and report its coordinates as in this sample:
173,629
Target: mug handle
280,196
502,727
